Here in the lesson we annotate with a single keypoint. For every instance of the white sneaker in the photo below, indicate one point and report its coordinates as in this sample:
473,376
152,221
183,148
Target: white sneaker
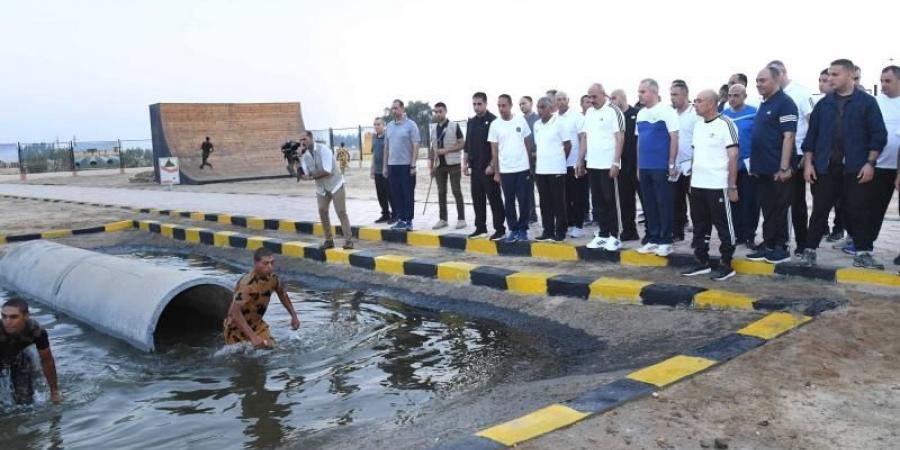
440,224
664,250
647,248
576,232
460,224
612,245
597,242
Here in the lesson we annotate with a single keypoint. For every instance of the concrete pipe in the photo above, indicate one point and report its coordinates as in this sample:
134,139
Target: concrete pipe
124,298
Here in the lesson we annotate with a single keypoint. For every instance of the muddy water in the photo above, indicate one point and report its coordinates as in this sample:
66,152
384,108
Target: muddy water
358,360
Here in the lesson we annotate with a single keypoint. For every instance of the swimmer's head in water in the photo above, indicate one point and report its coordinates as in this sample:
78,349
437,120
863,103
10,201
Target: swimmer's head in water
263,262
15,316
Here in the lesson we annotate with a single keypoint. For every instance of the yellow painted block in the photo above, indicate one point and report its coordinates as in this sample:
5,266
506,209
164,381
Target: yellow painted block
633,258
423,239
153,211
528,282
319,230
561,252
483,246
532,425
671,370
287,226
174,213
338,256
144,225
224,219
867,276
53,234
392,264
121,225
255,242
256,223
774,325
369,234
198,216
455,271
193,234
167,230
2,239
718,299
220,238
293,248
618,289
748,267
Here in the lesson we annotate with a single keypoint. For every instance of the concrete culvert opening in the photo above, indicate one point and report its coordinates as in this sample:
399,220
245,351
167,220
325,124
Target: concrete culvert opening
196,311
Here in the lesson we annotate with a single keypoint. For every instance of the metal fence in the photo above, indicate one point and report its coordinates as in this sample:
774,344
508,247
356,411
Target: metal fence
79,156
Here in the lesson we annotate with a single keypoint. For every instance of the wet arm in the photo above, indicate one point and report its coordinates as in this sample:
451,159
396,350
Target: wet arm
48,364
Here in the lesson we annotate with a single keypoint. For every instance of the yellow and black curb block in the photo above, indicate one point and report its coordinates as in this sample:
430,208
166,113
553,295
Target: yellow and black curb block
614,290
55,234
553,251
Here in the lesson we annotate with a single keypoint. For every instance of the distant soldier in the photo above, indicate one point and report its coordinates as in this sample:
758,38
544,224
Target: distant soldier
207,148
343,157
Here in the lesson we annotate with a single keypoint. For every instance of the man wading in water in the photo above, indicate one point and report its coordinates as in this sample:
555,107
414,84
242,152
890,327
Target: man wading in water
19,332
251,298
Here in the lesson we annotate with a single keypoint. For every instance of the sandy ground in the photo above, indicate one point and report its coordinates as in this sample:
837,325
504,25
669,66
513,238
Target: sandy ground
831,384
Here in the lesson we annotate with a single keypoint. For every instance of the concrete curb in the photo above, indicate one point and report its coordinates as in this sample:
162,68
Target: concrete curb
553,251
66,232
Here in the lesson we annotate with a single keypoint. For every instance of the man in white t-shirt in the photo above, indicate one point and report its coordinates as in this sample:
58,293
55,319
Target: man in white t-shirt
553,144
657,132
687,118
600,158
713,185
511,167
887,169
804,101
576,187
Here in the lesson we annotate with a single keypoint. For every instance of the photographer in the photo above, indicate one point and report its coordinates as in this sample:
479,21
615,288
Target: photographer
319,163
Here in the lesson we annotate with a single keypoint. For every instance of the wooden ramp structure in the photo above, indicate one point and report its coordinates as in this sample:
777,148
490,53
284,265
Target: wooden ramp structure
247,138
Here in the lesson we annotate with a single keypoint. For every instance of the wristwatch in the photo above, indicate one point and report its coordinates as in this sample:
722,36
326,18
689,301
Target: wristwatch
617,165
872,163
671,166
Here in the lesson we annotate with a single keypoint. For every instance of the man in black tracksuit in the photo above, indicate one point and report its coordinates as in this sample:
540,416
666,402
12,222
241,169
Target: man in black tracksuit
476,161
846,135
628,182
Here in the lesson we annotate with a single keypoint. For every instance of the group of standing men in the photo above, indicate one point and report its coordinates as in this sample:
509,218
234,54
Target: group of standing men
729,161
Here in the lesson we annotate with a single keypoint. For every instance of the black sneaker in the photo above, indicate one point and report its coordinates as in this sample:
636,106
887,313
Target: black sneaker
808,258
749,244
835,236
544,237
777,256
723,273
382,219
560,237
392,220
477,234
498,235
327,244
759,254
698,269
798,252
897,260
865,260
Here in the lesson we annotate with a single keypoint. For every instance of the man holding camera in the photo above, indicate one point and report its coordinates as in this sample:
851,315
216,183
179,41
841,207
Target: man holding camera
320,165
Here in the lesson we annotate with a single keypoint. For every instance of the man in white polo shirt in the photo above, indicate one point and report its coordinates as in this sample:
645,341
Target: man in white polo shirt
602,138
511,166
687,118
553,142
713,185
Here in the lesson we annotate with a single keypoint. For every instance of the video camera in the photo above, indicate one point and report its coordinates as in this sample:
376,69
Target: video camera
290,152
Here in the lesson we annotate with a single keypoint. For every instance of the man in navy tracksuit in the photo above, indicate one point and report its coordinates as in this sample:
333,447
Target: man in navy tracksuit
846,135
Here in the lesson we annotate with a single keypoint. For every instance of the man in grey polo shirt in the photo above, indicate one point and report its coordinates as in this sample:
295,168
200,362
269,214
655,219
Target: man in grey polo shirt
401,145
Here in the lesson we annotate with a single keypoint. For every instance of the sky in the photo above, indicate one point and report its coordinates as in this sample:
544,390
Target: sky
90,69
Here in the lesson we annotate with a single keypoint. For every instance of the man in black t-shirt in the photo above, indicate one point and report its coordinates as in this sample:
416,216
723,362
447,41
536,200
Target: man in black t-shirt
18,333
206,148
